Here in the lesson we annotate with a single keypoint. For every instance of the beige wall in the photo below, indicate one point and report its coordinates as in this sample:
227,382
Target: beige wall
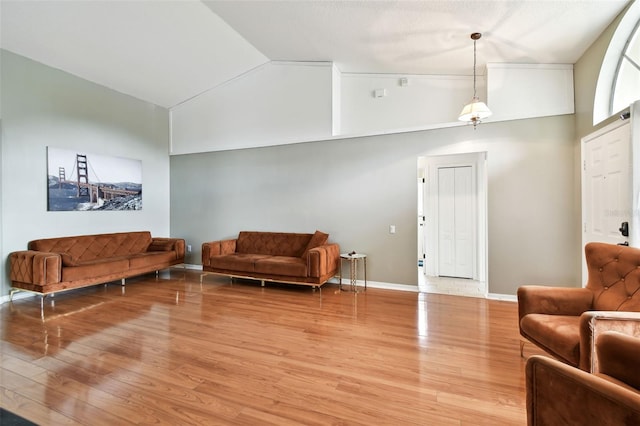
352,188
42,107
355,188
586,72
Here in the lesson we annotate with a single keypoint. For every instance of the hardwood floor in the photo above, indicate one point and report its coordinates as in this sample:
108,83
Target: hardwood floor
169,350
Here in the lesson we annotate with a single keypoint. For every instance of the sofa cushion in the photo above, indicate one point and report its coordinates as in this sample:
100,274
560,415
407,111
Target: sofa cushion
95,268
282,265
236,261
561,332
149,259
318,239
272,243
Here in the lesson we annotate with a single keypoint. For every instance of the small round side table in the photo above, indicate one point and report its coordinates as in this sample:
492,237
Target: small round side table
353,269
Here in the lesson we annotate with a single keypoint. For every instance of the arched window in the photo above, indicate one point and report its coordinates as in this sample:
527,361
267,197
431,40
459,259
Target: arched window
626,87
619,80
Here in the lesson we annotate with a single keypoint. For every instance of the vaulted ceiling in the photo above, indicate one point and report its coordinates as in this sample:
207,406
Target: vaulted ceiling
167,52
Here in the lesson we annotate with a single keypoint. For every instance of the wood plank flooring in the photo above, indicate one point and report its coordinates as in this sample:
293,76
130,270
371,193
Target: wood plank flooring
169,350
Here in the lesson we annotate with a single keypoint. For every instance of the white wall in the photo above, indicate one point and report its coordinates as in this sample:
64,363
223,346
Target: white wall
290,102
336,100
355,188
44,107
277,103
426,100
517,91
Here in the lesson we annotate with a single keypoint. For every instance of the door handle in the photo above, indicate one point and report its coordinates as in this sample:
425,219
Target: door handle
624,229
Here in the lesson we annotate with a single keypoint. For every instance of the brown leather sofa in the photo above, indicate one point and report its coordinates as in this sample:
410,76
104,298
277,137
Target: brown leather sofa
558,394
566,321
306,259
57,264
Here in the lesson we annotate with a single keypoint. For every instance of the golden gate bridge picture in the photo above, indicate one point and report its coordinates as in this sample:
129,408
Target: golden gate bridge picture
83,182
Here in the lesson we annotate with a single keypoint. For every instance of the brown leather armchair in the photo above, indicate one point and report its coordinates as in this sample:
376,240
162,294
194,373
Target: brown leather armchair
566,321
558,394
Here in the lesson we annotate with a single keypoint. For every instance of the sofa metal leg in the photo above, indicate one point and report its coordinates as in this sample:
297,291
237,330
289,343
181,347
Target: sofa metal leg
42,297
122,282
261,283
13,290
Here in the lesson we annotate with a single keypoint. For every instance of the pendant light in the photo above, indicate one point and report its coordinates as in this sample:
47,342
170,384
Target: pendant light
475,111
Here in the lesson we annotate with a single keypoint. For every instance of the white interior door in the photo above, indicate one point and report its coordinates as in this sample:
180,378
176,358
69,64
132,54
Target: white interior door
606,185
455,222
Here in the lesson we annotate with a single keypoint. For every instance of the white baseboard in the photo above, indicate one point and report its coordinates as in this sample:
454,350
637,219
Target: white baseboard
381,285
504,297
190,266
388,286
17,296
345,282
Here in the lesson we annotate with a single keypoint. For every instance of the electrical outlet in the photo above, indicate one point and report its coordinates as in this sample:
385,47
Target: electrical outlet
188,248
392,229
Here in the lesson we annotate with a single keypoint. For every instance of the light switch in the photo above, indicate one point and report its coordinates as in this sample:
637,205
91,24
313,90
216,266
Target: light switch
392,229
380,93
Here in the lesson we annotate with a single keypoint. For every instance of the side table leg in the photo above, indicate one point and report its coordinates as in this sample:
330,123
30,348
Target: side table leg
340,282
365,274
354,275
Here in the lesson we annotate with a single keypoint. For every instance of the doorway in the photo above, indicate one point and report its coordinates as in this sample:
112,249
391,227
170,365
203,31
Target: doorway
607,191
453,213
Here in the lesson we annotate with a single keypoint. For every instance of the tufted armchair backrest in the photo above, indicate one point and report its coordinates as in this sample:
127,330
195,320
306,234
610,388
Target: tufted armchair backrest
614,276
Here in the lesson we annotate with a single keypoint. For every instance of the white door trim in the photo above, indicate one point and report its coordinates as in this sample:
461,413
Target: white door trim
477,161
618,127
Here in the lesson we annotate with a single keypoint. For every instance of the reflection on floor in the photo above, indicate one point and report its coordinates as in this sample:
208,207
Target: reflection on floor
445,285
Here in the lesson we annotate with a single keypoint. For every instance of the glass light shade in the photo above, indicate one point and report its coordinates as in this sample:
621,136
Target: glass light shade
475,111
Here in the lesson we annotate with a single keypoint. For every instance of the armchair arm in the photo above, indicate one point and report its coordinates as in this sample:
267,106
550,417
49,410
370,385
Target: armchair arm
216,248
594,323
618,357
323,260
35,267
168,244
560,394
534,299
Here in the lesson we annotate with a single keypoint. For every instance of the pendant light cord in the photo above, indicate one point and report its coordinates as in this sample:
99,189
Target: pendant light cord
474,69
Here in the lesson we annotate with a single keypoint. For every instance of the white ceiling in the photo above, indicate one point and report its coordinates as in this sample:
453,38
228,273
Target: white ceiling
166,52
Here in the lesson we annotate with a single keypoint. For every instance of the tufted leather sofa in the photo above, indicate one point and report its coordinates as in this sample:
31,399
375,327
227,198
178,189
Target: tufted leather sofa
57,264
565,322
306,259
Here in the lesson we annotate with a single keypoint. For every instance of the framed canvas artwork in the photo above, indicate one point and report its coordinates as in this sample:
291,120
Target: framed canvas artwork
81,181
